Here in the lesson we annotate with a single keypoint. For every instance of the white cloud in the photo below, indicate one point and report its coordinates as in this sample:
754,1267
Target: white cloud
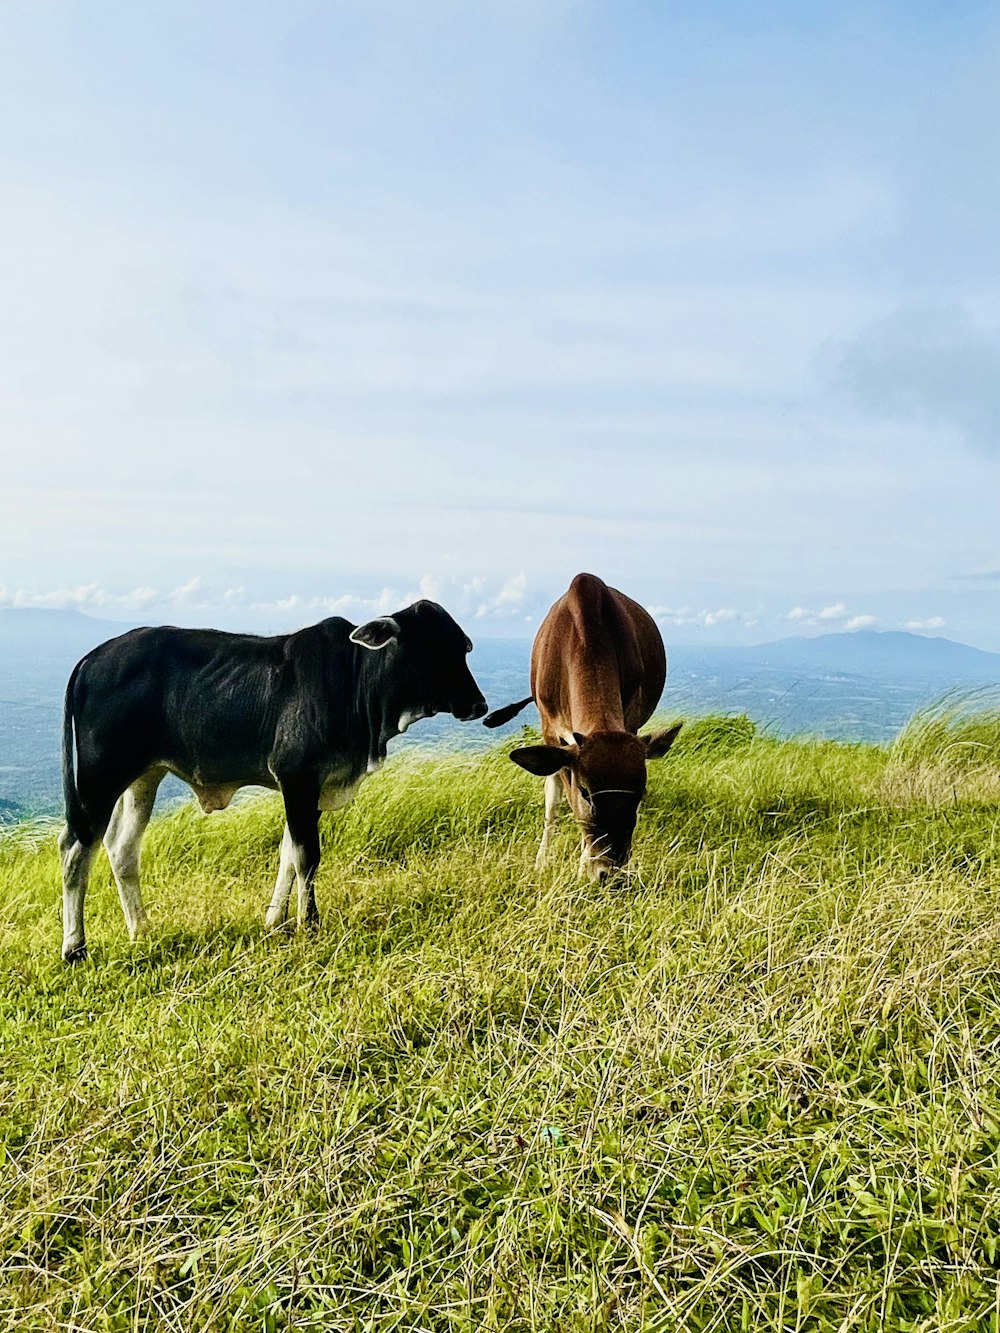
686,615
513,591
189,596
836,616
802,615
931,622
431,588
509,601
86,596
348,604
719,617
485,598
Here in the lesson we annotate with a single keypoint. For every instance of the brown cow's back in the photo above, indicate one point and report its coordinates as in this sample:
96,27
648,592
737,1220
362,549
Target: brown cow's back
598,662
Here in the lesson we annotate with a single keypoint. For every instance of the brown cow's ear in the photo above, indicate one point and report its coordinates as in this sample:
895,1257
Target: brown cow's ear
543,760
658,745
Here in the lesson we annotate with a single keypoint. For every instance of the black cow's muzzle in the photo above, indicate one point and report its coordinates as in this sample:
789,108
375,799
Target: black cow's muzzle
479,709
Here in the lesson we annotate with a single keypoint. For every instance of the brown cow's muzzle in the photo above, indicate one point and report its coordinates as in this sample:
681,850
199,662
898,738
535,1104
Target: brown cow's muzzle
607,834
599,863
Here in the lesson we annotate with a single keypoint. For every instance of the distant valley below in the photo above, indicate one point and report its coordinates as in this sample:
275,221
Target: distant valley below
851,686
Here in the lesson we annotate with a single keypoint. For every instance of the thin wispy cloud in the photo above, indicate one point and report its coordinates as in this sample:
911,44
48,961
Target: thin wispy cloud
933,363
929,622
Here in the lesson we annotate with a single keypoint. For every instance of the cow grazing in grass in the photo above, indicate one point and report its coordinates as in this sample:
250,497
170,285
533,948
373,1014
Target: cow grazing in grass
598,668
309,713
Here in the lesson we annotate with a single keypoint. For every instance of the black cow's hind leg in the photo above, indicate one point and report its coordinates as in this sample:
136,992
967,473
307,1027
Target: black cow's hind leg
77,857
302,819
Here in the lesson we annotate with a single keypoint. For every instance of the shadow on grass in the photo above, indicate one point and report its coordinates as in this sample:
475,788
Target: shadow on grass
216,942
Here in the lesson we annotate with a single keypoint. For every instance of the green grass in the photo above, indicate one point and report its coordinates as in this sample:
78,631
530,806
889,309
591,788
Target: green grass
756,1088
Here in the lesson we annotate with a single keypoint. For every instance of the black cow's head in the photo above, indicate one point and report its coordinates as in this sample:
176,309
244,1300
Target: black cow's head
424,670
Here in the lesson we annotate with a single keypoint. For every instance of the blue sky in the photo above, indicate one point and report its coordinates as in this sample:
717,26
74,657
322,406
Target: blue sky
312,307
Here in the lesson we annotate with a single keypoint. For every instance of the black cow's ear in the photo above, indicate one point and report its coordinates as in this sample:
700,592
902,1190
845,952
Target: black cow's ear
468,644
542,760
377,633
658,745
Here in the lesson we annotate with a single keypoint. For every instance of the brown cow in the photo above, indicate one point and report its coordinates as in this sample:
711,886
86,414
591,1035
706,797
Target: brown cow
598,668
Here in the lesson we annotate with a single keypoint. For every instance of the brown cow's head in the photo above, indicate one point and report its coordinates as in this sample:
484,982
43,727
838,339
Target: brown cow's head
605,778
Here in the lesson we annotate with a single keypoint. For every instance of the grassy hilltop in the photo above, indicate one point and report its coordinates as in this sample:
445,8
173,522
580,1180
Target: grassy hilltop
756,1088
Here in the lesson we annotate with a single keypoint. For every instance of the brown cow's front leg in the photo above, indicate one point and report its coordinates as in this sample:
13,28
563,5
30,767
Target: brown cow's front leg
553,792
301,797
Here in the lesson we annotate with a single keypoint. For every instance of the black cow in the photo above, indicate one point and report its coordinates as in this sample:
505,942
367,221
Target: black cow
309,713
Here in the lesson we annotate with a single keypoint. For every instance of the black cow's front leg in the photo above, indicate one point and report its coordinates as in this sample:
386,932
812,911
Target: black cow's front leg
302,820
282,884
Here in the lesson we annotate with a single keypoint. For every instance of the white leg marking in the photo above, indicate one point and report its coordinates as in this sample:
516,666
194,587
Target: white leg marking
123,842
553,795
76,862
283,884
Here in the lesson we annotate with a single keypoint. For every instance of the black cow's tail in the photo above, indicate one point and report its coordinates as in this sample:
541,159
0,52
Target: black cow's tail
502,715
76,817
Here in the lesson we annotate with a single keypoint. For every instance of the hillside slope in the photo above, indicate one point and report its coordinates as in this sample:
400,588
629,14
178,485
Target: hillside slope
755,1087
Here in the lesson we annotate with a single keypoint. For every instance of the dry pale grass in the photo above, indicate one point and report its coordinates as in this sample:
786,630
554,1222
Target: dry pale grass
949,752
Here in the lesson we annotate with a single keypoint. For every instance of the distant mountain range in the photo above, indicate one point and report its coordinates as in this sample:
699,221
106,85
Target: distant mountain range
861,685
866,652
43,627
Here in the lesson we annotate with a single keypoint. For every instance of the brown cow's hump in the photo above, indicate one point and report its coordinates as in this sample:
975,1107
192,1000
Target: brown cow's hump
584,583
588,596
